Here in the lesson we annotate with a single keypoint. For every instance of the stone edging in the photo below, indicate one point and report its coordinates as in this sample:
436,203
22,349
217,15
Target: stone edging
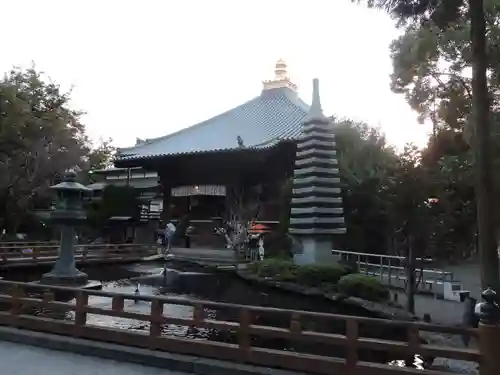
146,357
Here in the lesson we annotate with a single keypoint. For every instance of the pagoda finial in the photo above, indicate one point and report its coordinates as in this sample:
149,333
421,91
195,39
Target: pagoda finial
280,71
281,78
315,111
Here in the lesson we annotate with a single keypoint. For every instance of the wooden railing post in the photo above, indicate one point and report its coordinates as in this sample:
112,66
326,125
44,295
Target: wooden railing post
295,326
48,297
352,345
156,315
82,300
489,333
244,329
17,292
117,303
413,344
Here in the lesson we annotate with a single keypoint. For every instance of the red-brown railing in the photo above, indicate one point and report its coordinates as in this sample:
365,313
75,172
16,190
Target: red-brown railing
26,254
243,323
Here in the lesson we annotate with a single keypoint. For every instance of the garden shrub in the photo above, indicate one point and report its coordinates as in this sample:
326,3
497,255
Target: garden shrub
363,286
307,275
275,268
316,275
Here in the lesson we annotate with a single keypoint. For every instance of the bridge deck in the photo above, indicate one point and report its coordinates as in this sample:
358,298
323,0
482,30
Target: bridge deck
20,359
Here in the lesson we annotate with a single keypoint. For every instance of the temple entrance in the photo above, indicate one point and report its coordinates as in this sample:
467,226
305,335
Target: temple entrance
210,203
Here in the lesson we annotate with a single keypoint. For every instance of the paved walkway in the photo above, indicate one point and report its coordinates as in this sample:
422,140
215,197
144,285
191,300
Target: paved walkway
19,359
448,312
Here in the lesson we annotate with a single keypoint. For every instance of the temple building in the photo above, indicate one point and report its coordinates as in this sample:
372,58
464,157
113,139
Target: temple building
242,158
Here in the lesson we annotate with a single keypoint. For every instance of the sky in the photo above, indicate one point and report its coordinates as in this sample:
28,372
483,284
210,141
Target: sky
148,68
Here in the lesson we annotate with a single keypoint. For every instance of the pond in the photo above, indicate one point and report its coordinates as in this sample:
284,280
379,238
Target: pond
192,282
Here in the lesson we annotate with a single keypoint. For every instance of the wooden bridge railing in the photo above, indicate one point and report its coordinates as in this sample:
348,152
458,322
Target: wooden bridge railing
243,326
39,253
27,243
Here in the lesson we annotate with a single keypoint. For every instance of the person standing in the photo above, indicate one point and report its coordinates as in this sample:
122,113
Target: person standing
169,236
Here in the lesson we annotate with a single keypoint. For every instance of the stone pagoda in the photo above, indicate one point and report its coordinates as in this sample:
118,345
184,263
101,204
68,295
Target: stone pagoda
316,207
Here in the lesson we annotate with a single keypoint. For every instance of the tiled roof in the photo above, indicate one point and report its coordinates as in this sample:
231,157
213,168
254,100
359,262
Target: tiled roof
262,122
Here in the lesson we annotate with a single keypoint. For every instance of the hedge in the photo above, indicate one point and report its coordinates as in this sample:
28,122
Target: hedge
307,275
363,286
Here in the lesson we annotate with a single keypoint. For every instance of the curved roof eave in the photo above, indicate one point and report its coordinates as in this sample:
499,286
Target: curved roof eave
131,158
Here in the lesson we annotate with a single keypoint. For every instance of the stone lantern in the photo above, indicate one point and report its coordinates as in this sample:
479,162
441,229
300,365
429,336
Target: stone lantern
67,214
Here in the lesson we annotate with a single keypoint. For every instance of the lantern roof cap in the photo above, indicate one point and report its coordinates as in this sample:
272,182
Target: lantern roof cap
69,183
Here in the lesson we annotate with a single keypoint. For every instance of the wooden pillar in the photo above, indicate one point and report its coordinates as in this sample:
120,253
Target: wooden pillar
489,334
166,191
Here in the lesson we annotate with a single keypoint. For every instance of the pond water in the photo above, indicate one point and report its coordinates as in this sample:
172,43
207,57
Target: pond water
196,283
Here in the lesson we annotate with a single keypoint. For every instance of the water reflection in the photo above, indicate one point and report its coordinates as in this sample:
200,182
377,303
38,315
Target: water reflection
418,363
141,307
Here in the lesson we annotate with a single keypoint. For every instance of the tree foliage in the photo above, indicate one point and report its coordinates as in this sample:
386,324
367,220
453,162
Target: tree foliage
40,138
365,160
432,68
100,156
118,201
396,200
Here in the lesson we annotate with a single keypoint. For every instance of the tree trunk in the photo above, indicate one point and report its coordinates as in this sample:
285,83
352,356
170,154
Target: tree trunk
410,277
482,144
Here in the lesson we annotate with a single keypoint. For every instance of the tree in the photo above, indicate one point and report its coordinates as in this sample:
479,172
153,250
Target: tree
115,201
100,156
454,218
427,15
365,160
40,138
409,191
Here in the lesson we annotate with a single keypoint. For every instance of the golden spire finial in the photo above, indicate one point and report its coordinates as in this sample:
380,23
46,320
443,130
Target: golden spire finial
281,78
280,71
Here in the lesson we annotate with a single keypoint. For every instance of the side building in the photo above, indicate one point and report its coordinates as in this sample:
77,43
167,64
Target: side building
145,181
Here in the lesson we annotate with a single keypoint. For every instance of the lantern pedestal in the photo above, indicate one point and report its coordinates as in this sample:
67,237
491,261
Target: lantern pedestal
76,279
65,271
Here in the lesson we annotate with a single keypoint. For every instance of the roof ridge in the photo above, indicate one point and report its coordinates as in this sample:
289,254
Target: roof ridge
295,100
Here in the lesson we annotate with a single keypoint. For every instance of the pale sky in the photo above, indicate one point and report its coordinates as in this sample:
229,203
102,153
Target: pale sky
148,68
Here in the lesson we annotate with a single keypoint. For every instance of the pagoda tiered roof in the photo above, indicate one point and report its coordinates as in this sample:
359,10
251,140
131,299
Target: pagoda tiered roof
274,116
